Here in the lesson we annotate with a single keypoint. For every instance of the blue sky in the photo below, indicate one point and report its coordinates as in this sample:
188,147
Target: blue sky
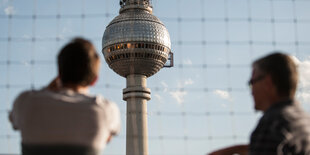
202,103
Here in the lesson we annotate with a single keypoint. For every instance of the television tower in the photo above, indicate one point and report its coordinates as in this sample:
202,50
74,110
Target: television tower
136,45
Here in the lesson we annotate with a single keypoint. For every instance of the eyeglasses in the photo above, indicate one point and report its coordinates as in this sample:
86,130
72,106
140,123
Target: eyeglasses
253,81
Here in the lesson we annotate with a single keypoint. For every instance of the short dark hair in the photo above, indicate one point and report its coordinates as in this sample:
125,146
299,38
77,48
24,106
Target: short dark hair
78,63
283,72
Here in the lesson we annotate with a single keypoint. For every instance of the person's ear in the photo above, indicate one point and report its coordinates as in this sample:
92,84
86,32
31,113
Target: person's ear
270,85
268,79
94,81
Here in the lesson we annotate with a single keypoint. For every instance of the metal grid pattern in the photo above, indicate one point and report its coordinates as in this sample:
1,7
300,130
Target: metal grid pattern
200,104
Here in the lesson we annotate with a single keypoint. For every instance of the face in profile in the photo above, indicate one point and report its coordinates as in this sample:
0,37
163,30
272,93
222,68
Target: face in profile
259,92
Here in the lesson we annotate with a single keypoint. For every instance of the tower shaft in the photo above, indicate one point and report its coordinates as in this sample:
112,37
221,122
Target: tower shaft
136,94
136,45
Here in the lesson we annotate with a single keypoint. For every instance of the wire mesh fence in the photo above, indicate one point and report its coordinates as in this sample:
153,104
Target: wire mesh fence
200,104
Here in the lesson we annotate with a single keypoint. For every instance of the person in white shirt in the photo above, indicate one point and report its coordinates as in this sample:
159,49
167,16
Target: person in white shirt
63,118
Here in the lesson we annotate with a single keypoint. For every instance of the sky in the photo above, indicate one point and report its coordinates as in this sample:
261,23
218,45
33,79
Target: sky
201,104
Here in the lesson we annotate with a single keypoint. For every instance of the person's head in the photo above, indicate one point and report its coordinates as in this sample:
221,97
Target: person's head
274,78
78,63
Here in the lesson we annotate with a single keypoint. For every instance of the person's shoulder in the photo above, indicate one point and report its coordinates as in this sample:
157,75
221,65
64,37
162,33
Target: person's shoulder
112,113
295,112
25,93
105,103
30,93
24,96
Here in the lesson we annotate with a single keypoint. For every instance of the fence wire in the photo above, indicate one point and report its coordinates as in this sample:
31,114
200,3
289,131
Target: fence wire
200,104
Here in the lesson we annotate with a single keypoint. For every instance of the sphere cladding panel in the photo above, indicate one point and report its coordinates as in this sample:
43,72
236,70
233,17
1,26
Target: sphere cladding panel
135,15
136,26
132,28
134,66
139,31
136,61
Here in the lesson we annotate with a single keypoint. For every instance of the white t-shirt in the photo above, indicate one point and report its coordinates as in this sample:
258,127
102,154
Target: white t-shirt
65,117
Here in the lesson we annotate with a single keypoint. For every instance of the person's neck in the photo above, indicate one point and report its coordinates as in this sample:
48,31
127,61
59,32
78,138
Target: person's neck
76,88
281,99
276,100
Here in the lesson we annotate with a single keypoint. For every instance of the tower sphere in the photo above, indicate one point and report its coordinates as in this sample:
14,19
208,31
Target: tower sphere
136,42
